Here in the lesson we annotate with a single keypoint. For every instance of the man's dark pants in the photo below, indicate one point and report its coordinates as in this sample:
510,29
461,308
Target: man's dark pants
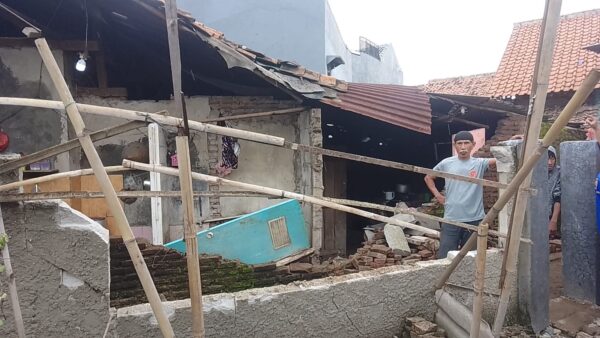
453,238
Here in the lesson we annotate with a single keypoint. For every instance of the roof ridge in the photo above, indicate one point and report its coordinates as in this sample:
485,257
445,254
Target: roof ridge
589,12
463,76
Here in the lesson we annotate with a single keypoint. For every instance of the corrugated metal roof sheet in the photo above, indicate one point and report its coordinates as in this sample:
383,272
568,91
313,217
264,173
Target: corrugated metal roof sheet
403,106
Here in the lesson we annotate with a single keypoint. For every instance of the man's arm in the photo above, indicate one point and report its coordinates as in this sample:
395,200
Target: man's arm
430,182
553,226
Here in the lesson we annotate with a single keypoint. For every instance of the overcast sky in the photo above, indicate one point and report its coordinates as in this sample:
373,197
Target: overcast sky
441,38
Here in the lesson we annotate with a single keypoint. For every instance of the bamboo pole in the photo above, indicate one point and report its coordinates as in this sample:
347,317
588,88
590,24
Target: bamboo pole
148,117
62,195
12,284
415,213
69,145
552,19
185,177
112,200
254,115
280,193
191,241
242,134
52,177
570,109
479,283
532,99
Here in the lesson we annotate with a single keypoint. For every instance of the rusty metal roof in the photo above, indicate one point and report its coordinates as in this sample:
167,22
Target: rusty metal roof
404,106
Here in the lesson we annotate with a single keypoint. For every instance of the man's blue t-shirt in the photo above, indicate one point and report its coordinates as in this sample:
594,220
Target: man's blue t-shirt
464,200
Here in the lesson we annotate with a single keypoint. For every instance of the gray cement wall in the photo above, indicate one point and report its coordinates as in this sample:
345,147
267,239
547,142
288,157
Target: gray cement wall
367,304
60,260
285,29
30,129
578,220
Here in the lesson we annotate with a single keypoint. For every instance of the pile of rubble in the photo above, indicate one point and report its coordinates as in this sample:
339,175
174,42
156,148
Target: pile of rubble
417,327
375,252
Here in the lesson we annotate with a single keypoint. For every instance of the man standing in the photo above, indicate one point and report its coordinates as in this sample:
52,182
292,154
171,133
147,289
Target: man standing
463,201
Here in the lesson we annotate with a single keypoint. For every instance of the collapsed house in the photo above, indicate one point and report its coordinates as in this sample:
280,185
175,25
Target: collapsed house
223,82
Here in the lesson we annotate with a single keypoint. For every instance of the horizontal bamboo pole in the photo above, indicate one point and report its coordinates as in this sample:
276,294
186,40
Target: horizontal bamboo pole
52,177
416,213
254,115
246,135
148,117
69,145
64,195
394,165
281,193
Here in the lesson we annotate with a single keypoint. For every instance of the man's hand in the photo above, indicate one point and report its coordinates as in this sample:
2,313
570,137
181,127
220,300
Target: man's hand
441,199
591,122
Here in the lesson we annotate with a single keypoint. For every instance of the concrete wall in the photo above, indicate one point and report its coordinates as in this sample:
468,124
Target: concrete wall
30,129
367,304
578,219
285,29
61,264
367,69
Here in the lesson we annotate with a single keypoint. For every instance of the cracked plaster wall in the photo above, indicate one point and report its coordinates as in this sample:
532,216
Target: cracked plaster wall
61,265
367,304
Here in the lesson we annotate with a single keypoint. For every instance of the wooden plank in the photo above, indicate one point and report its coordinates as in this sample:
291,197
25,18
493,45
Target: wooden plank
295,257
154,146
69,145
111,197
65,45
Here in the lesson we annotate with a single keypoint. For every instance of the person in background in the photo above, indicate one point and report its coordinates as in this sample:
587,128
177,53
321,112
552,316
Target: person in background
463,201
553,187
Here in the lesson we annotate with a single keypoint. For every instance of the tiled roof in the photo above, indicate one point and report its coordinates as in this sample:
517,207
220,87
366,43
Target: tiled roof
472,85
571,62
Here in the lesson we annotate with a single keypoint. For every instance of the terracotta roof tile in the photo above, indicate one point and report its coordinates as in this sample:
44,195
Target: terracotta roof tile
571,62
473,85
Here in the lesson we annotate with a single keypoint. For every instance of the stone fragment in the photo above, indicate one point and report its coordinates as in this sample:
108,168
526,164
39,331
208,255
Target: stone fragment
396,239
301,267
424,327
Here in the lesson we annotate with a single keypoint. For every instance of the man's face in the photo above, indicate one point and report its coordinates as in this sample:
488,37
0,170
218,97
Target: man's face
551,162
463,148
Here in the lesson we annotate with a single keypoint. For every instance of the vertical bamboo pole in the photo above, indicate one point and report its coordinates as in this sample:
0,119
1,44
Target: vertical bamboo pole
12,285
575,103
191,242
105,185
185,174
479,283
154,142
545,65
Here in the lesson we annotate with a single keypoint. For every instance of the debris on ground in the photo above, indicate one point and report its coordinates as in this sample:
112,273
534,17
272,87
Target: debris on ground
417,327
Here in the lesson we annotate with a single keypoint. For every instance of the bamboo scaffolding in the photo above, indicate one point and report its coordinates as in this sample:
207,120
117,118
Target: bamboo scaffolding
416,213
241,134
551,20
280,193
69,145
479,283
111,198
52,177
570,109
63,195
147,117
12,284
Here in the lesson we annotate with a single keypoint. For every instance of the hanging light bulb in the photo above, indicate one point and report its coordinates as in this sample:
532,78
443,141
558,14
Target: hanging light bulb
81,64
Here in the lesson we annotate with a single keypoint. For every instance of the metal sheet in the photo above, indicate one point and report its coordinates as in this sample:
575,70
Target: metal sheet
403,106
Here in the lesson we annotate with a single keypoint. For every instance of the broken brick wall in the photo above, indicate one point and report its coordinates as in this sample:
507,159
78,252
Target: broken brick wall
168,269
